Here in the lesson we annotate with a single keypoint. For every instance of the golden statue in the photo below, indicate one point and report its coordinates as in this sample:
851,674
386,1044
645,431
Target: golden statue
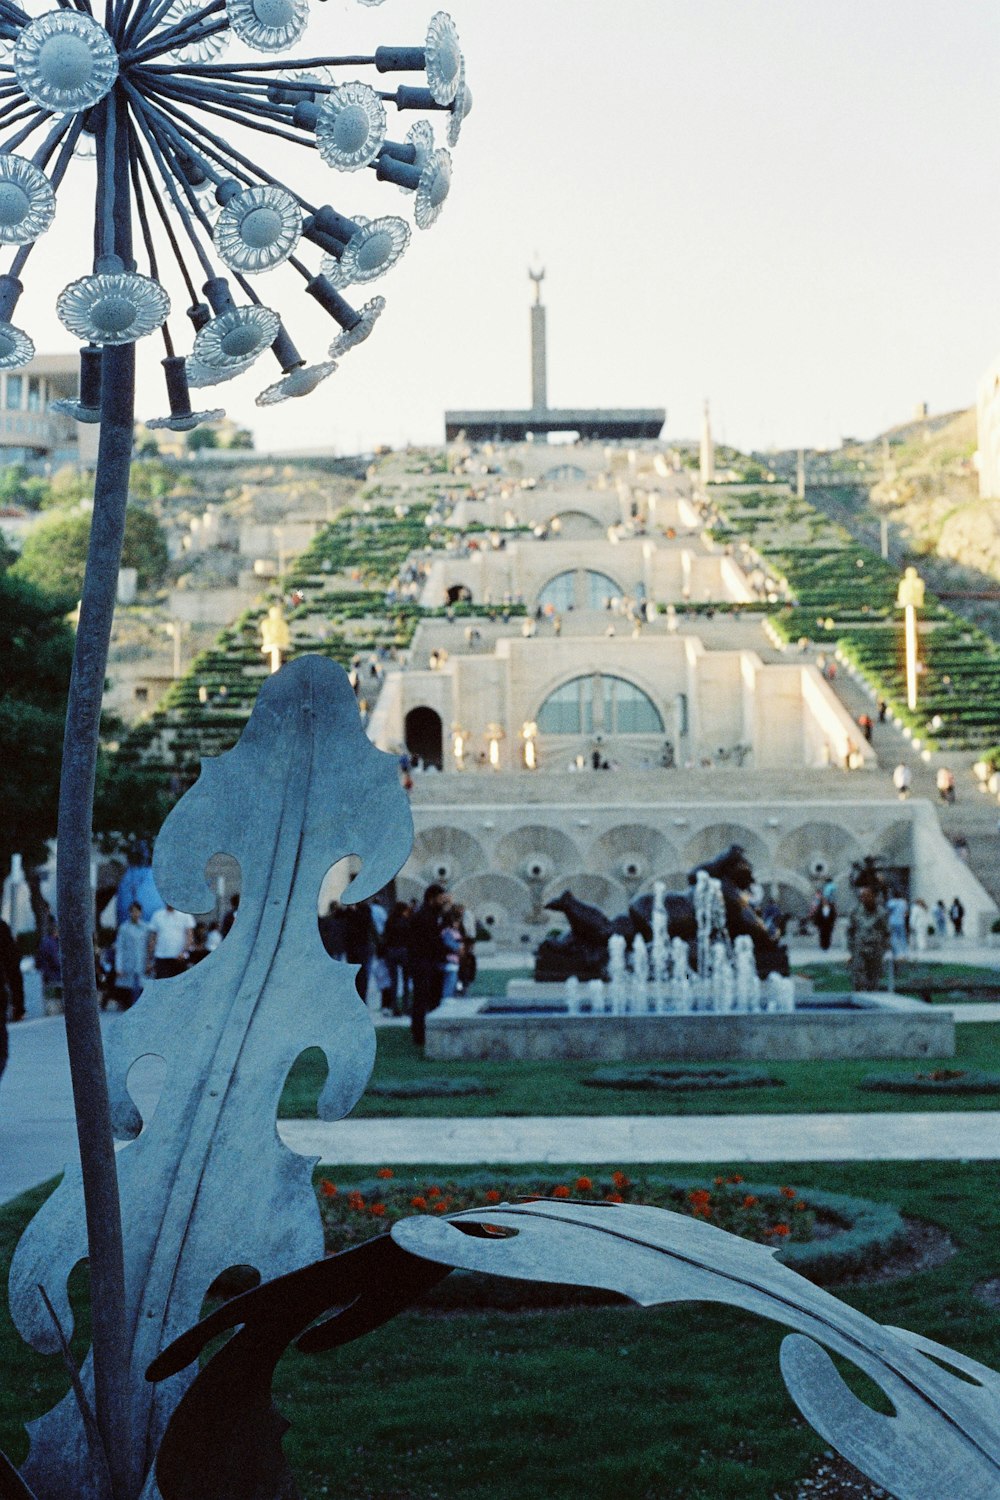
275,635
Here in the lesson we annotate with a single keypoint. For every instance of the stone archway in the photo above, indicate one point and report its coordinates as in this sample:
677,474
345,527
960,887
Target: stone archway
424,734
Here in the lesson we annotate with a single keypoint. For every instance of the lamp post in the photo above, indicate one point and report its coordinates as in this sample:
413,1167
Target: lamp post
910,598
140,82
494,735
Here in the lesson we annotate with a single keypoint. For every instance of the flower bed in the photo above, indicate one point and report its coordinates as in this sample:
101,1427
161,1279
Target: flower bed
429,1088
940,1081
823,1235
674,1080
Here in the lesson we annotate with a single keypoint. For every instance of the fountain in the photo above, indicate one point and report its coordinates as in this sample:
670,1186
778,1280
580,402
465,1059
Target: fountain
717,990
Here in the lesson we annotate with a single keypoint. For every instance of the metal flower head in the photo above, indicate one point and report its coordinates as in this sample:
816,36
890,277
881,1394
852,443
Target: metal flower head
237,337
258,229
182,182
300,382
65,61
27,202
16,349
114,307
351,127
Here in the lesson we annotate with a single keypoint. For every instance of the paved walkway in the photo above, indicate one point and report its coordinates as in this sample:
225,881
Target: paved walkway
37,1135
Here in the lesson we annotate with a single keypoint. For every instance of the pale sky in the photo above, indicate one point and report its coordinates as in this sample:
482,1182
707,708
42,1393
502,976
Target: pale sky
788,207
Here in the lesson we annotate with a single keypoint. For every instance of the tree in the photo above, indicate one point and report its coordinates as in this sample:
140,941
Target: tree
55,553
241,438
36,648
201,438
151,479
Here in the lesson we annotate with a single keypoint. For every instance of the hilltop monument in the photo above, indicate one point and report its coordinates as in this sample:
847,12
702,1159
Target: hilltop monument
613,424
706,452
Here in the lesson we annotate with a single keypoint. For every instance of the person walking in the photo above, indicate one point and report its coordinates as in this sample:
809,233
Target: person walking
131,957
902,780
168,940
940,921
395,946
11,989
867,940
427,955
897,911
957,914
826,920
919,924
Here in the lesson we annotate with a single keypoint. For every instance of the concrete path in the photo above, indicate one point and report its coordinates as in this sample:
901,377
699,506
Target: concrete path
37,1135
972,1136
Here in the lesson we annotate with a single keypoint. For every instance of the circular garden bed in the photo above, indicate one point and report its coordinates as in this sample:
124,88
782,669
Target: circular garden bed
938,1081
428,1088
825,1236
676,1080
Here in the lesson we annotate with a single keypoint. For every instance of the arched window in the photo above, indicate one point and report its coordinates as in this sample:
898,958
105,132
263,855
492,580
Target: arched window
599,703
579,590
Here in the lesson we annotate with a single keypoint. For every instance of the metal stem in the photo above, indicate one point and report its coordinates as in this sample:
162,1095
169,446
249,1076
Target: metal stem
111,1339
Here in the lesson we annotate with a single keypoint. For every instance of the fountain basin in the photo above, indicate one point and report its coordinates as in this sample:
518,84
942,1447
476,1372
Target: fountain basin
534,1024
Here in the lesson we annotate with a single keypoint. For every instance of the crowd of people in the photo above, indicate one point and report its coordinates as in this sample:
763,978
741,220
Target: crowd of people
911,926
413,955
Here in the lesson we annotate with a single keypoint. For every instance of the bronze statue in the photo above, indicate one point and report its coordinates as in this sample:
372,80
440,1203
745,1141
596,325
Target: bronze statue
583,951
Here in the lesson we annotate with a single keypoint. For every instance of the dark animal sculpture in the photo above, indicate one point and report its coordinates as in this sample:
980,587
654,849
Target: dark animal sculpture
583,951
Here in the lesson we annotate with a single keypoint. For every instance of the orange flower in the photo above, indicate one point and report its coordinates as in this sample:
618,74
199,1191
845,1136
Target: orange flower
328,1188
378,1209
491,1195
614,1198
719,1181
781,1229
433,1192
801,1207
620,1180
385,1172
584,1185
442,1205
735,1178
787,1192
355,1201
562,1191
418,1202
700,1197
749,1201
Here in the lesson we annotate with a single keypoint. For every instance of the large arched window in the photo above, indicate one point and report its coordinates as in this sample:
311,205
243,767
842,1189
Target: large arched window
579,589
599,703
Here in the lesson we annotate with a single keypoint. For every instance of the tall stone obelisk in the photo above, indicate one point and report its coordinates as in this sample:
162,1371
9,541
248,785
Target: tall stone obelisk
707,452
539,379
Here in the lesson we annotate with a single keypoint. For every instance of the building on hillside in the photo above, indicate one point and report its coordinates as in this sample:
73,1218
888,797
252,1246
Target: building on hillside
30,431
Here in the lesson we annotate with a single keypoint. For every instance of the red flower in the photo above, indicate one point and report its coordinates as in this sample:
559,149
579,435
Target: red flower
735,1178
491,1195
584,1185
781,1229
378,1209
719,1181
328,1188
620,1180
787,1192
355,1201
442,1205
614,1198
418,1202
562,1191
700,1197
749,1201
433,1192
385,1172
801,1207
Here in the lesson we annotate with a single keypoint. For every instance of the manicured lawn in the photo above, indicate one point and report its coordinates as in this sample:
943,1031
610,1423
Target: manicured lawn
911,977
682,1402
555,1088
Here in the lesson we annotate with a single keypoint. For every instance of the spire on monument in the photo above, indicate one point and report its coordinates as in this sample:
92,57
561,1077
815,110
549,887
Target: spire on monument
707,450
539,371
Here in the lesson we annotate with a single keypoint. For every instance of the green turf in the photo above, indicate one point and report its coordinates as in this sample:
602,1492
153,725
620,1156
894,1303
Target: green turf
554,1088
910,977
679,1403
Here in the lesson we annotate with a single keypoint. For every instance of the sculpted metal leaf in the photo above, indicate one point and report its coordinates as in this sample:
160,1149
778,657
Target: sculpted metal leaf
944,1439
208,1184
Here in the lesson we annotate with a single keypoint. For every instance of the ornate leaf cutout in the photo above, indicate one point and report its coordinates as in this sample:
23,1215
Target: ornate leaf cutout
208,1184
944,1438
942,1441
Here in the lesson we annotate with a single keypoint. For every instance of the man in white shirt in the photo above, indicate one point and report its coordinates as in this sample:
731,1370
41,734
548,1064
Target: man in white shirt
170,935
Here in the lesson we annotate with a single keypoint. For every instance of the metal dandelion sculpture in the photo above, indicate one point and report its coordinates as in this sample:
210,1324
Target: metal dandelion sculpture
185,198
